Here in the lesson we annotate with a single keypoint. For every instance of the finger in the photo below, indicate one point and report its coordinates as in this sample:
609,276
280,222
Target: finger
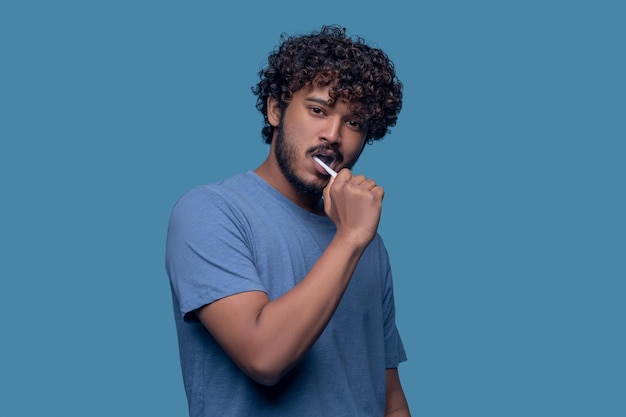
368,184
344,175
358,179
378,191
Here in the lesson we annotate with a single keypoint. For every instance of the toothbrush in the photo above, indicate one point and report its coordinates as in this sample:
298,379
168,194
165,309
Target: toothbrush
326,167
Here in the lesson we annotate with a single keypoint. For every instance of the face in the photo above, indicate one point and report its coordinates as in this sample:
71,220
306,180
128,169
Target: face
309,126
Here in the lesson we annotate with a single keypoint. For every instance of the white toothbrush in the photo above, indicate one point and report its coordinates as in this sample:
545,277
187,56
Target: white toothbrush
326,167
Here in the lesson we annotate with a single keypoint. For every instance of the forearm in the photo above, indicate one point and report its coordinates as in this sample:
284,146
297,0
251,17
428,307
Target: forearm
397,405
266,340
398,412
287,327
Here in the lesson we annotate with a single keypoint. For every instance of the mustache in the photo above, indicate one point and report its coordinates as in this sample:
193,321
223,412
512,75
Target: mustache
326,150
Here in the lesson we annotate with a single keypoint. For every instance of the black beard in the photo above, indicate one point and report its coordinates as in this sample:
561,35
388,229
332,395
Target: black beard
286,155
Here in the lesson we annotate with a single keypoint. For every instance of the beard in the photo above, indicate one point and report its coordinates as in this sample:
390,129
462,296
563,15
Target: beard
286,155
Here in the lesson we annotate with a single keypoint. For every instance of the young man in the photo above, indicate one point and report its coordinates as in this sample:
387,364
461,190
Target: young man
282,287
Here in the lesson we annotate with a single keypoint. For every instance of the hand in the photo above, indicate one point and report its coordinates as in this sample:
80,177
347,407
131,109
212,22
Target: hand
354,204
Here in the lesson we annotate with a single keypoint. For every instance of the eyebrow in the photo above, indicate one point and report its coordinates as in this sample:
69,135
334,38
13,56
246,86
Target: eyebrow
318,100
322,102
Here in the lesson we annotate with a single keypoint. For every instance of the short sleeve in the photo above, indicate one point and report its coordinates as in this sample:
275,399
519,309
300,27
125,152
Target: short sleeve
208,254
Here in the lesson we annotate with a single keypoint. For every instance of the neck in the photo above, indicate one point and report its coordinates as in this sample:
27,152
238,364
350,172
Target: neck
271,173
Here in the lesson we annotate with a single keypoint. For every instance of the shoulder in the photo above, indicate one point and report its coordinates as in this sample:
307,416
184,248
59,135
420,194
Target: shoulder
209,204
222,193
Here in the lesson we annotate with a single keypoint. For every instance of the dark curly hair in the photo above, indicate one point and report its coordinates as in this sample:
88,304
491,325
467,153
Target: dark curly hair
361,74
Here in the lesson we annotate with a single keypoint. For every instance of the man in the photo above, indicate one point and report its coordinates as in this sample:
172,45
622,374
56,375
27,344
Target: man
282,287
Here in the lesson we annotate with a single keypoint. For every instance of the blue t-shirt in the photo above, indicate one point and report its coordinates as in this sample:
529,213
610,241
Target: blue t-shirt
240,235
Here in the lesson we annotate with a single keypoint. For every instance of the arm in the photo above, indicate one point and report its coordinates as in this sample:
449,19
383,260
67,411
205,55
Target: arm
396,401
266,338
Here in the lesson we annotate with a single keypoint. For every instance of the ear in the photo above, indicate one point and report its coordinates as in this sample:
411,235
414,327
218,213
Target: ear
273,111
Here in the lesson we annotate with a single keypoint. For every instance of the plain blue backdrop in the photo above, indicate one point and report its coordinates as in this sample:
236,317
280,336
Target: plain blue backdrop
504,207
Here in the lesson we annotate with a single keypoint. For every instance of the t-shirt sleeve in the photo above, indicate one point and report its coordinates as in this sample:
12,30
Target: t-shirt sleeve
394,349
208,254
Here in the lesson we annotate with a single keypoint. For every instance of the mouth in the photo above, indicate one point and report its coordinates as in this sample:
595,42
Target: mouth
328,157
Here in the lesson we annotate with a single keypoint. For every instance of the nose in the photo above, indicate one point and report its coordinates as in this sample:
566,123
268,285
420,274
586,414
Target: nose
332,130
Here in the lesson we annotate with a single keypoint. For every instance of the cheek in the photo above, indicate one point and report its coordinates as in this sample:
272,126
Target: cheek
296,128
353,143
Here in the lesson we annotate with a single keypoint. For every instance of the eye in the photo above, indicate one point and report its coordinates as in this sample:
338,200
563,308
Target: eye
316,110
355,124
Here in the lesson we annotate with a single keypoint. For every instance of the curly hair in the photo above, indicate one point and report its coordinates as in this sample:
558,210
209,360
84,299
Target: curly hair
361,74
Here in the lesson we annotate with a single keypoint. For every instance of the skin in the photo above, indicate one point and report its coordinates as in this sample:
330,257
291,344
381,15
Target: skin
267,338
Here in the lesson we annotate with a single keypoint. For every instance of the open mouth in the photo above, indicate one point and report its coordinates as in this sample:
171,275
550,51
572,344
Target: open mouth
328,158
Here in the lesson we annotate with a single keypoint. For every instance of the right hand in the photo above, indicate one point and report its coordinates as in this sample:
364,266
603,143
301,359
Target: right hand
354,204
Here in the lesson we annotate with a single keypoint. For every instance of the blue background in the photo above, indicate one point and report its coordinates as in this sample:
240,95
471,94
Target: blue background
504,207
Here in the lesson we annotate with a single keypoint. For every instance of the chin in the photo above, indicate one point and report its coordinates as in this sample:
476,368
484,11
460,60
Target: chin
304,187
